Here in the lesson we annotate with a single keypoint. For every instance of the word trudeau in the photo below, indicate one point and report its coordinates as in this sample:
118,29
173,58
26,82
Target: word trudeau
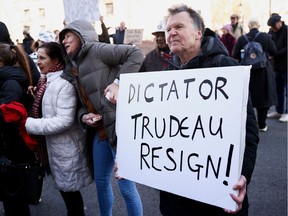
173,126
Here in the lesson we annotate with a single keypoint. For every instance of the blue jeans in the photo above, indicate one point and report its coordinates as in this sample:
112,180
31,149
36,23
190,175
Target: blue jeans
103,159
281,89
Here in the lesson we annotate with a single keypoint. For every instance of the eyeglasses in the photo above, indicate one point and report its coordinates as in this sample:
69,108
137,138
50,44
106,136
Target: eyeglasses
233,17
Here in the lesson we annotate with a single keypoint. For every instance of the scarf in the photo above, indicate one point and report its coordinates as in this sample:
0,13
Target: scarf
41,87
37,113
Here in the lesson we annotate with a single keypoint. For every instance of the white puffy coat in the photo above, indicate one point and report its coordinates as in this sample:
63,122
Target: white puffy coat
65,140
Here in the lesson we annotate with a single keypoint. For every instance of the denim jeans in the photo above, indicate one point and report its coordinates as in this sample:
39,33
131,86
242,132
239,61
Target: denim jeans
103,159
281,89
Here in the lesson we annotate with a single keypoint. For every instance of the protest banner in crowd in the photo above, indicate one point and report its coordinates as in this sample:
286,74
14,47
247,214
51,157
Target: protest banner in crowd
133,36
88,10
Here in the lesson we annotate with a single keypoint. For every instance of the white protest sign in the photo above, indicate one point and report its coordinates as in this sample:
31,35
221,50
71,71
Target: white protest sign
86,9
133,36
184,131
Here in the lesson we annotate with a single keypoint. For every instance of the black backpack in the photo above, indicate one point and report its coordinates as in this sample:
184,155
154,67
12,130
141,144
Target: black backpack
253,54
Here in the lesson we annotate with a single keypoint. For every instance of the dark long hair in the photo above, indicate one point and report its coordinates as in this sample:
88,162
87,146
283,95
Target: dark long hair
14,55
54,50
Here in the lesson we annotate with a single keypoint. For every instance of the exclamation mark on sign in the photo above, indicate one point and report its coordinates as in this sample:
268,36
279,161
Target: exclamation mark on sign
229,163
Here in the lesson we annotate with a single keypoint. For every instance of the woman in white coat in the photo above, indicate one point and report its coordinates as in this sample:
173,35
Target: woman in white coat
65,140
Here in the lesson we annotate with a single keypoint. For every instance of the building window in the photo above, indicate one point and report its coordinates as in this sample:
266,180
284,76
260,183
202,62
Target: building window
27,14
41,13
109,8
26,28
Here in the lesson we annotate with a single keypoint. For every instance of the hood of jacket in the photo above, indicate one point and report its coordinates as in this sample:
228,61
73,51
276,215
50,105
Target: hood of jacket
83,29
211,46
12,77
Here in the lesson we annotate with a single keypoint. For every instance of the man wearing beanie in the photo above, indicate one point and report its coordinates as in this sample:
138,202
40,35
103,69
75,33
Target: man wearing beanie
278,31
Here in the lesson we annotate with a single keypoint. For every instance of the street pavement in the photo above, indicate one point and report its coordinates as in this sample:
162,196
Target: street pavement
267,190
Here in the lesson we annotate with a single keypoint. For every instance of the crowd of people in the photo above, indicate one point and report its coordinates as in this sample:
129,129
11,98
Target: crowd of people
70,93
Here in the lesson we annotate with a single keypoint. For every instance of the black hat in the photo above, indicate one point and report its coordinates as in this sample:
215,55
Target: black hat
273,19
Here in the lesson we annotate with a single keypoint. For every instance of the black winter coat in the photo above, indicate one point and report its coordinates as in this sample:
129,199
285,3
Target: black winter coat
27,44
280,40
13,87
262,85
170,204
156,60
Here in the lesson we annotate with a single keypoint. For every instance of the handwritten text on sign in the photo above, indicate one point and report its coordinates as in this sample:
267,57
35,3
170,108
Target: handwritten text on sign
182,131
133,36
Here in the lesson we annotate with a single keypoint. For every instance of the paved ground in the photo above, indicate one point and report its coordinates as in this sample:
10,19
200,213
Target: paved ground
267,191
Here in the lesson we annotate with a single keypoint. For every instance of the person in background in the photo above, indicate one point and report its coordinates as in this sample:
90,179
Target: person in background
104,36
195,47
279,35
44,36
56,33
118,37
237,29
17,42
157,59
27,42
15,77
261,85
5,38
65,139
227,38
95,69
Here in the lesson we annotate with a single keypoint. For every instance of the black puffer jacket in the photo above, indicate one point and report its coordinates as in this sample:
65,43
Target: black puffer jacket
13,85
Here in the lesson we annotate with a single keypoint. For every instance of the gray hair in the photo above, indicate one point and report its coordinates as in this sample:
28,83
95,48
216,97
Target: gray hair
253,23
195,16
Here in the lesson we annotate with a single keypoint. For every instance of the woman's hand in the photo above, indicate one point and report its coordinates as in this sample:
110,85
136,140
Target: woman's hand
116,171
31,91
91,119
111,92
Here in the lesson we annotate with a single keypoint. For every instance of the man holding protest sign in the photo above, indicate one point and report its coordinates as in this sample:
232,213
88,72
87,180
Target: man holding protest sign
197,47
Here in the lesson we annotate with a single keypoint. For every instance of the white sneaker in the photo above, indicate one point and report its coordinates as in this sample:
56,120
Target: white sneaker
263,129
284,118
274,115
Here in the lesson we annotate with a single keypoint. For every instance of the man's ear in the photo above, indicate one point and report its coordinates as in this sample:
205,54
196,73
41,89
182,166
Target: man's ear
198,35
